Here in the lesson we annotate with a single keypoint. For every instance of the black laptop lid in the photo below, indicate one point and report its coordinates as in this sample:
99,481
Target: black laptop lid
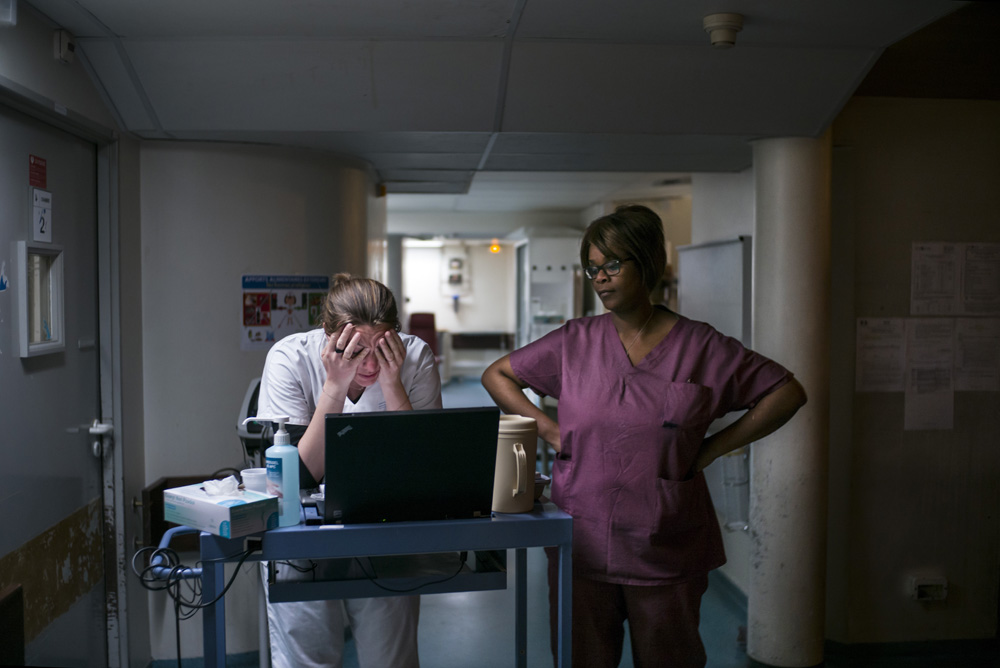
410,465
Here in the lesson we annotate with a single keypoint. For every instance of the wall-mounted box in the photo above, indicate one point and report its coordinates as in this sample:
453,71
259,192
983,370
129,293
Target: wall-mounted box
40,302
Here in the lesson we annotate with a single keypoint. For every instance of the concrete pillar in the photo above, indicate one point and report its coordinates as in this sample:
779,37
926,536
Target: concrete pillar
791,324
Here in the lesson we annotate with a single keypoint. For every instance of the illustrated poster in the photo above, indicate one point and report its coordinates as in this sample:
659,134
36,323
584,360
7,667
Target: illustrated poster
276,306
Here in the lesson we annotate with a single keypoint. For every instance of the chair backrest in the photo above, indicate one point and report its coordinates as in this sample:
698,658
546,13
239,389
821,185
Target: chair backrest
422,325
254,436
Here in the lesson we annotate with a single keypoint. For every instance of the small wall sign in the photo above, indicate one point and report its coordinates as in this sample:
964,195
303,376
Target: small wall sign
41,215
37,172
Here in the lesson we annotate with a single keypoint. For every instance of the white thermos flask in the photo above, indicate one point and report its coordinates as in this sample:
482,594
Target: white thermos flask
514,481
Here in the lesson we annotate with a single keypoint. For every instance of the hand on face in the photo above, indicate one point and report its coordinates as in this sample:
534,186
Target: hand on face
343,354
390,353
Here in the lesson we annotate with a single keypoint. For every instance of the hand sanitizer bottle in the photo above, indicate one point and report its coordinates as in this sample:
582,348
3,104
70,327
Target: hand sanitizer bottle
283,473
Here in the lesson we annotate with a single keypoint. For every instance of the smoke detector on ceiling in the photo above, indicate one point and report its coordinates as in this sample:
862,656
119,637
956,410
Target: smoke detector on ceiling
722,29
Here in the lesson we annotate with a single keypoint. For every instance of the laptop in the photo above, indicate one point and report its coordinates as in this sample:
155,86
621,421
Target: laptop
398,466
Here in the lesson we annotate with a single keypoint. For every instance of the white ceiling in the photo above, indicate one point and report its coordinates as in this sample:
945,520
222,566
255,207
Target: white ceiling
488,105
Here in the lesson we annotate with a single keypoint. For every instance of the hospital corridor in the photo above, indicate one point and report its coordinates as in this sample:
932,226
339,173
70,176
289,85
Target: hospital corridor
264,264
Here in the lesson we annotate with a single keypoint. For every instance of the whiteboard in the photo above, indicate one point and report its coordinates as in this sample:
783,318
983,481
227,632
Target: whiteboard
714,281
714,284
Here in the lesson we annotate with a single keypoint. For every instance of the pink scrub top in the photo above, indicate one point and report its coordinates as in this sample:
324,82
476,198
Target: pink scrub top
629,436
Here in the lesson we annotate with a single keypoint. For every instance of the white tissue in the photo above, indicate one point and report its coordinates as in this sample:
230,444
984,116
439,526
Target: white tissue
225,487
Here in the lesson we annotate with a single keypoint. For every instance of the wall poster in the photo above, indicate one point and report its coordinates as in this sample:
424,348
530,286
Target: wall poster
276,306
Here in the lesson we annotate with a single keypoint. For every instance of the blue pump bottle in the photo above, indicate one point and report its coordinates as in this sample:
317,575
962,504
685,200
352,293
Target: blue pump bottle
282,460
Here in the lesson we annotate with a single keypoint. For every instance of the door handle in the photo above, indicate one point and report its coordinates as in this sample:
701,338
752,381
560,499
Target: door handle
99,430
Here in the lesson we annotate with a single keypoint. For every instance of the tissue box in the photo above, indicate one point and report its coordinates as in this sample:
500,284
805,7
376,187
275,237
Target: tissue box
228,515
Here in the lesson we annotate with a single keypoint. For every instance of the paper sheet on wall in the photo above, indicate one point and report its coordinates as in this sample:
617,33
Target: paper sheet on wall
880,361
955,279
935,274
981,279
275,306
929,401
977,354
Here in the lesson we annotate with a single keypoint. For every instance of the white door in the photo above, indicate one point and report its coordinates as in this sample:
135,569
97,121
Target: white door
51,496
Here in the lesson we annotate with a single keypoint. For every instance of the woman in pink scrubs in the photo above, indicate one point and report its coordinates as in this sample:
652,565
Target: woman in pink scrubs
638,387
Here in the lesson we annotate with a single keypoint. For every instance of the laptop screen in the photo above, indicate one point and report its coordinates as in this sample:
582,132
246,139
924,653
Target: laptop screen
410,465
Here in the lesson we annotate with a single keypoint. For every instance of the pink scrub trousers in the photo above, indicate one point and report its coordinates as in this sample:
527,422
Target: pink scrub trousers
663,622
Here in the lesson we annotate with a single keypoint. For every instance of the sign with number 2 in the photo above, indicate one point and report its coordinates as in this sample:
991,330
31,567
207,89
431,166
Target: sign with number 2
41,215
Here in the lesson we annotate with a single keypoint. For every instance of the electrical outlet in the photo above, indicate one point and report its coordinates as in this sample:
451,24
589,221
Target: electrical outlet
253,544
928,588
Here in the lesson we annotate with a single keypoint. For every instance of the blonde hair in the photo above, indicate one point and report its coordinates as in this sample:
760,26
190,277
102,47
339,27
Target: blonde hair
359,301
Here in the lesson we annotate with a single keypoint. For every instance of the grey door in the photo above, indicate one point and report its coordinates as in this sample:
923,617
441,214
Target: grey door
51,495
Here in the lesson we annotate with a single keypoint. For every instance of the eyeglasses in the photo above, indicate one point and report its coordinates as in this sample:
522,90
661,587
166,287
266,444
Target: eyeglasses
611,268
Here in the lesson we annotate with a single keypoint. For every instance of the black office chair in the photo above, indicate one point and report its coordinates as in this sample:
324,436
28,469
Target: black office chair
255,436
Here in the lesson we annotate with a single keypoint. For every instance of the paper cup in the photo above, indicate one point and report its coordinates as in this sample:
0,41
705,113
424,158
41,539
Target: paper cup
255,479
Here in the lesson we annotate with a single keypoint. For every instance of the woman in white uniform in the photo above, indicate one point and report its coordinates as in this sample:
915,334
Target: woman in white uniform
357,362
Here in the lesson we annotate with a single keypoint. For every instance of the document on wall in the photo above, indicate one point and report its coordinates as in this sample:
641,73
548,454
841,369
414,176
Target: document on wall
977,354
880,362
981,279
957,279
935,278
929,395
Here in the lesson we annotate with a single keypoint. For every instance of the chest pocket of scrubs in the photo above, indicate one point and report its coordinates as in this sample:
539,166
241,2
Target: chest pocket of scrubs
687,404
687,413
681,505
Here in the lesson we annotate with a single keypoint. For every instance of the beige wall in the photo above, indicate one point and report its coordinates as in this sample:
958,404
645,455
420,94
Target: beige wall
909,502
211,213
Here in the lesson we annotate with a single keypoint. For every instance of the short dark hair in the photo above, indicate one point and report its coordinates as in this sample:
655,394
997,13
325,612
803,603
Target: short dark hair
632,231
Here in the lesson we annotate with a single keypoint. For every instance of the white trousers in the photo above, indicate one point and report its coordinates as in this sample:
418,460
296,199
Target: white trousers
310,634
